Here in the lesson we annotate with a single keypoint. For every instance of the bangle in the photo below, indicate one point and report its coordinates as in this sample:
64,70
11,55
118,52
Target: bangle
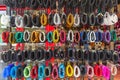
32,56
83,36
13,56
70,36
50,19
63,19
19,21
61,54
40,54
20,56
101,56
84,18
56,53
83,70
62,36
115,57
71,53
12,38
34,37
6,56
107,36
19,37
6,71
99,36
76,20
69,70
97,70
113,35
92,19
20,71
42,37
48,70
56,19
77,37
26,54
27,21
12,21
43,19
76,71
90,71
48,55
5,20
5,36
61,70
26,36
26,71
34,72
55,72
91,36
36,20
49,36
34,4
13,71
99,18
70,20
41,73
79,55
108,55
113,70
106,72
55,36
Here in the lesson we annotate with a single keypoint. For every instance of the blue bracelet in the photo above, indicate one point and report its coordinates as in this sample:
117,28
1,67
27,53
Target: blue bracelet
6,71
61,70
49,37
99,36
83,70
41,73
83,36
13,72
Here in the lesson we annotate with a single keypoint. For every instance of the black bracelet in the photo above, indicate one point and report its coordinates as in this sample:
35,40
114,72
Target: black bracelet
48,55
84,18
6,56
108,55
101,55
40,54
12,21
36,20
32,56
21,3
20,70
34,4
46,3
50,19
53,4
20,56
92,19
13,57
27,20
26,54
56,55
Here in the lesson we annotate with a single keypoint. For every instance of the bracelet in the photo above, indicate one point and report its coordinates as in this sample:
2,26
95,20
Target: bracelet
13,56
20,56
40,54
6,56
62,36
47,71
56,19
113,70
48,55
56,55
99,19
97,70
34,4
99,36
107,36
76,71
113,35
46,3
70,20
50,19
5,36
70,36
19,21
92,19
108,55
43,19
95,57
34,37
20,71
42,37
90,71
32,56
106,72
61,70
69,70
55,36
77,37
83,70
34,72
36,20
26,54
83,36
27,20
11,38
63,19
80,55
55,72
12,21
41,73
5,20
86,55
61,54
91,36
84,18
6,71
71,53
26,36
20,3
101,56
115,57
76,20
19,37
13,71
49,36
26,71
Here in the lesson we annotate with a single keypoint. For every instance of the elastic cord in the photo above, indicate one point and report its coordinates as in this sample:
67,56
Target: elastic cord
70,36
63,19
61,54
113,35
34,37
13,72
26,71
42,37
55,72
90,71
55,36
77,37
97,70
56,19
5,36
83,70
19,21
62,36
34,72
49,36
69,70
43,19
70,20
41,73
76,71
26,36
19,37
76,20
61,70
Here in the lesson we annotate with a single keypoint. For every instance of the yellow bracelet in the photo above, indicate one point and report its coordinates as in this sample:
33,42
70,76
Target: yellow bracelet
11,38
70,20
43,19
34,37
55,36
69,70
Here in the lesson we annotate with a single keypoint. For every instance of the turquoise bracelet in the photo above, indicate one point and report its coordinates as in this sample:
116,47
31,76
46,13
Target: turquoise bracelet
19,37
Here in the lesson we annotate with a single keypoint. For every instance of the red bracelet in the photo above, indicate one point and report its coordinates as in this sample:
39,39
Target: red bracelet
5,37
97,70
62,36
76,37
34,72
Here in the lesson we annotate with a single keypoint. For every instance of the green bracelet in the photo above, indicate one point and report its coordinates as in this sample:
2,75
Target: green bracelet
26,71
113,35
19,37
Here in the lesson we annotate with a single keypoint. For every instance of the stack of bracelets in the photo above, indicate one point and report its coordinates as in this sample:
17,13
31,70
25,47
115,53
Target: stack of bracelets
70,39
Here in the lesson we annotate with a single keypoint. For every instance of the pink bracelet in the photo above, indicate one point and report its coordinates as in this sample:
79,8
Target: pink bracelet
90,71
55,72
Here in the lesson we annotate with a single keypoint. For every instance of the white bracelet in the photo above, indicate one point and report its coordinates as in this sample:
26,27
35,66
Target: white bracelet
70,36
76,69
5,20
40,37
76,20
92,36
19,21
57,19
113,70
26,36
90,68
